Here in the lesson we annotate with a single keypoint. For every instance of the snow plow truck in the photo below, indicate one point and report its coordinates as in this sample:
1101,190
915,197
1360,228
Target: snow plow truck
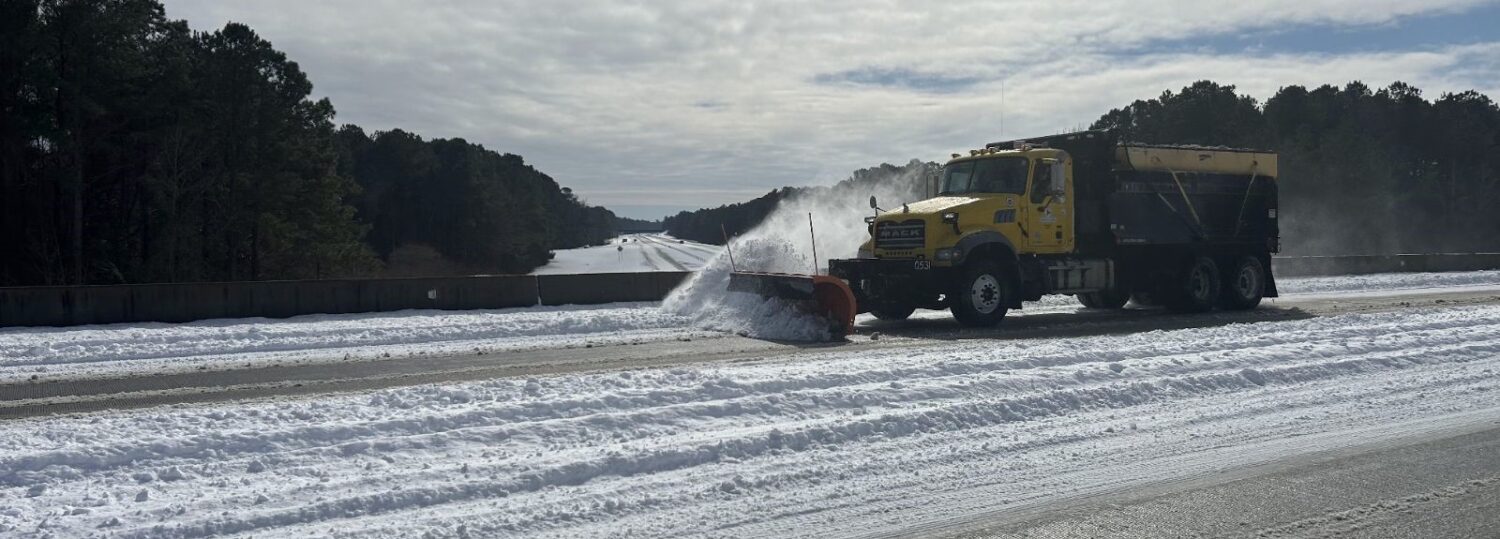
1085,214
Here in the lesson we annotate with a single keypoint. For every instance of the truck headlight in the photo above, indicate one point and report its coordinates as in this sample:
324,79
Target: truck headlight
947,255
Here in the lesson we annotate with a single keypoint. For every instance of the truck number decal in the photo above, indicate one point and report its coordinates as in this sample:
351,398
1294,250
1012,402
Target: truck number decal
922,265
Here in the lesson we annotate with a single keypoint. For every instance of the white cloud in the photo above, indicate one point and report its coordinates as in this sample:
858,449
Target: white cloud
701,103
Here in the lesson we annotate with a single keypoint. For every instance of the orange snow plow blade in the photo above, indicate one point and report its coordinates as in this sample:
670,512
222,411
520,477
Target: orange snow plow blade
822,294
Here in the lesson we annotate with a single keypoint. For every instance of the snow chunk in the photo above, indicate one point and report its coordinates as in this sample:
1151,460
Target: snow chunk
171,474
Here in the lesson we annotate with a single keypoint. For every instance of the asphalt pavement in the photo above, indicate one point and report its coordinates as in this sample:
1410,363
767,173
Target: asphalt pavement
1436,485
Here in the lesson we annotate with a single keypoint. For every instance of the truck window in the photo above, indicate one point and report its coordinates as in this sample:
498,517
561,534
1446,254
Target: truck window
957,178
996,175
1041,182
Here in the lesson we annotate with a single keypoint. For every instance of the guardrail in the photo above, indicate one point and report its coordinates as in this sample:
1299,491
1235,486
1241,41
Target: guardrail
184,302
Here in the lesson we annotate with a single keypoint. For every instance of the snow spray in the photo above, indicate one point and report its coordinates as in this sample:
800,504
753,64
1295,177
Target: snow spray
782,244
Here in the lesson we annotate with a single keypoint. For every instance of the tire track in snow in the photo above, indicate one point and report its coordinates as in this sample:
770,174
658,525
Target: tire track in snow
664,256
646,255
732,399
700,257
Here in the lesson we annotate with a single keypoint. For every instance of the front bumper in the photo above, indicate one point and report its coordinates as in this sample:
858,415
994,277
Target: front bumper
893,282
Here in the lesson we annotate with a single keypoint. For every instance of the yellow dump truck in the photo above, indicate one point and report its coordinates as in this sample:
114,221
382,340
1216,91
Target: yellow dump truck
1084,214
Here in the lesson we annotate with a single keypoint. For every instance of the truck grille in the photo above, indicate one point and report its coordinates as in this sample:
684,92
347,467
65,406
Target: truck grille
904,235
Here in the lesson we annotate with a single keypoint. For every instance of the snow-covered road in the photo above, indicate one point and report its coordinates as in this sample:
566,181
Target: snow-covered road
823,442
243,343
819,444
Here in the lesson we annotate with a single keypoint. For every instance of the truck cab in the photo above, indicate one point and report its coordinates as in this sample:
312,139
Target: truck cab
1021,197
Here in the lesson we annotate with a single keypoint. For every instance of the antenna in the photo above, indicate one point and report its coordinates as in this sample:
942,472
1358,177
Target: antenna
814,236
1002,109
727,248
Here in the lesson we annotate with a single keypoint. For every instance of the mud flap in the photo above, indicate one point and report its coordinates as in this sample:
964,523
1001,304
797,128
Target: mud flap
827,296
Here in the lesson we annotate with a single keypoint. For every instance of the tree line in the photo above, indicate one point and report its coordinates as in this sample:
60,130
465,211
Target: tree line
1363,170
134,149
475,206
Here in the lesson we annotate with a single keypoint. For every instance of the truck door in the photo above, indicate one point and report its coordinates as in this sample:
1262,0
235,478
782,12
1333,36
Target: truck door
1049,206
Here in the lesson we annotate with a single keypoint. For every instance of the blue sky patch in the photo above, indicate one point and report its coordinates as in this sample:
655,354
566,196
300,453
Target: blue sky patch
1476,25
898,78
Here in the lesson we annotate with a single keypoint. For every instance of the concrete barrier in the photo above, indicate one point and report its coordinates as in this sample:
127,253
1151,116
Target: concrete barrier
183,302
585,289
1303,266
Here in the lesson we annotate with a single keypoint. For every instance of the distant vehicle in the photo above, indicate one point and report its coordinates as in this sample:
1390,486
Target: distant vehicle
1083,214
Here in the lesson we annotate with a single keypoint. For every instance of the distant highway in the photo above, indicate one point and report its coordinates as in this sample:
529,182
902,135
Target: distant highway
632,253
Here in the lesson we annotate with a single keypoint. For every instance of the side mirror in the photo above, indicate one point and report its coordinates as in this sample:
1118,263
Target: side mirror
872,203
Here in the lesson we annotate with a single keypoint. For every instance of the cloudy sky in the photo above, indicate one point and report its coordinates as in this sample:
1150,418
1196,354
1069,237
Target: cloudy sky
652,107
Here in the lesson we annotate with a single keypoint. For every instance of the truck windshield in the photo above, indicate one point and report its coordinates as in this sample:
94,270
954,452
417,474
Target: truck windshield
995,175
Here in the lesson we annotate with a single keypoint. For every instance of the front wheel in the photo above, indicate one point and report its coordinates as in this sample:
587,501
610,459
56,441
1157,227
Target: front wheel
982,295
1244,285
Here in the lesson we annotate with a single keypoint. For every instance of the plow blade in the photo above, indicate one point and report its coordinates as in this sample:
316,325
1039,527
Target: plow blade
827,296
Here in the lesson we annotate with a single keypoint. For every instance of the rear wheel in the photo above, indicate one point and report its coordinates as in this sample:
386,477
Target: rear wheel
1105,299
1197,288
1244,285
893,312
982,295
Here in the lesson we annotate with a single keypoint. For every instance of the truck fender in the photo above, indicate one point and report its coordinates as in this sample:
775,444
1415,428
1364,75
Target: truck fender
987,240
972,242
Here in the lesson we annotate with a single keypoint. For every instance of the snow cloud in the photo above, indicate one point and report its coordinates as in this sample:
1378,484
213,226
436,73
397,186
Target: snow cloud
643,107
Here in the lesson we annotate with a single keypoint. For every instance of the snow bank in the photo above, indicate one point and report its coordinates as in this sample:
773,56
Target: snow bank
1385,282
825,444
257,341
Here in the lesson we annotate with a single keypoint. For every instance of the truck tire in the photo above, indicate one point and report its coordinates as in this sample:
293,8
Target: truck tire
982,294
892,312
1107,299
1244,285
1197,287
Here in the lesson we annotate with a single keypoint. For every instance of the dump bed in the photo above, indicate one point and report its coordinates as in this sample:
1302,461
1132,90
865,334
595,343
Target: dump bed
1130,194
